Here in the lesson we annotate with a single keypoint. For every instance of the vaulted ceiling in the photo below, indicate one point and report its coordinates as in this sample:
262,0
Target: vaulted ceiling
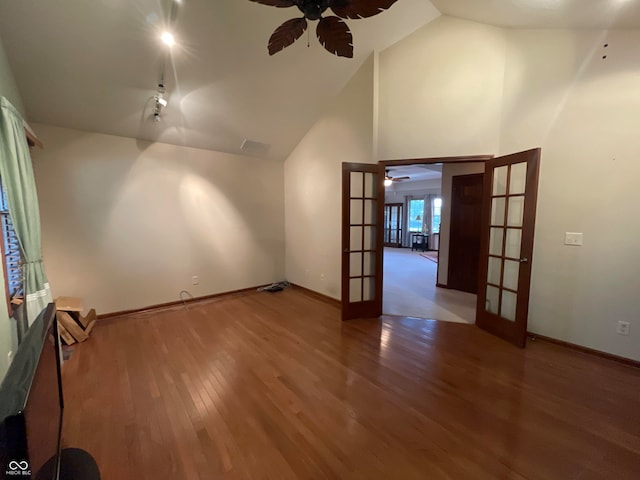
95,65
600,14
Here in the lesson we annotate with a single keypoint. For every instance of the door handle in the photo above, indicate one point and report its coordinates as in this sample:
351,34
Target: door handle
524,260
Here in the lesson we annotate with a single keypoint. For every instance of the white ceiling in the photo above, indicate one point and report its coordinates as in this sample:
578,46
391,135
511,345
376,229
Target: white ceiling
546,13
417,173
94,65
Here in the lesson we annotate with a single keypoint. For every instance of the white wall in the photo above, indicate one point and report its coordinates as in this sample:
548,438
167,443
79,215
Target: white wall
8,334
8,86
456,87
450,170
126,224
441,91
313,174
585,113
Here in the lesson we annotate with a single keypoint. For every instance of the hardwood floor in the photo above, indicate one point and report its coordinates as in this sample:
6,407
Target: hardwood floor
261,385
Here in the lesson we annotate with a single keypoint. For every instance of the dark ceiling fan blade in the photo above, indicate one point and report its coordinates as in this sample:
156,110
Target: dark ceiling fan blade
335,36
286,34
276,3
359,8
399,179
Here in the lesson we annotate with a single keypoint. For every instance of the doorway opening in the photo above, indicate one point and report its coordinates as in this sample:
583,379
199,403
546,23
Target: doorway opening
419,280
508,225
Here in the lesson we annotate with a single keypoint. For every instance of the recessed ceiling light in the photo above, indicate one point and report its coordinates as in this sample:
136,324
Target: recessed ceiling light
168,39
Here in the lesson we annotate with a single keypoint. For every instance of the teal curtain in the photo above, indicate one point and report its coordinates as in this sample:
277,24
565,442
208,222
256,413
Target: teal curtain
19,183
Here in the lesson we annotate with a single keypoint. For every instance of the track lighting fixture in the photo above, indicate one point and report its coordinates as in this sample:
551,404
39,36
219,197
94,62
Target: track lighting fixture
160,102
159,99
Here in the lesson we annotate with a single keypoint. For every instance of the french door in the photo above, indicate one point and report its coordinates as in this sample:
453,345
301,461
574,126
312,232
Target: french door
508,223
393,221
362,236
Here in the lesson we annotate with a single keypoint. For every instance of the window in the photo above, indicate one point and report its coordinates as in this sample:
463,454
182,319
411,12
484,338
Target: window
10,251
435,215
416,215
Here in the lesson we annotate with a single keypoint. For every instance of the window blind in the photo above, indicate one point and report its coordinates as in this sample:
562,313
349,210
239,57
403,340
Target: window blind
12,255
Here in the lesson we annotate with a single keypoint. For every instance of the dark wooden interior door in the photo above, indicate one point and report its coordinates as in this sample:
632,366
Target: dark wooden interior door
362,246
393,228
508,223
464,232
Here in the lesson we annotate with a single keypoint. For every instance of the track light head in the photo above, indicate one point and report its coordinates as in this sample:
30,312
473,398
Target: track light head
160,102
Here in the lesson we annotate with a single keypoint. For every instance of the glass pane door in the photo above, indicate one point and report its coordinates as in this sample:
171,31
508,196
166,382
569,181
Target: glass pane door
363,199
393,224
511,184
507,202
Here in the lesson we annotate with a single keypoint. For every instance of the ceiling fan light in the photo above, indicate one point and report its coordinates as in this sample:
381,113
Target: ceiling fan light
387,182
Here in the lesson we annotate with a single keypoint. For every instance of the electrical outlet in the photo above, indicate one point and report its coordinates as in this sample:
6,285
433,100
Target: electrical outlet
9,357
195,280
623,328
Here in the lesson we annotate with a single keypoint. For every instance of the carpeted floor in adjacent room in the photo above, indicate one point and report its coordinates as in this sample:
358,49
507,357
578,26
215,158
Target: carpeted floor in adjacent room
410,290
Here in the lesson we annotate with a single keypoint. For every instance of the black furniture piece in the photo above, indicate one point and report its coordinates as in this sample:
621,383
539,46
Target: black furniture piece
31,407
419,241
75,464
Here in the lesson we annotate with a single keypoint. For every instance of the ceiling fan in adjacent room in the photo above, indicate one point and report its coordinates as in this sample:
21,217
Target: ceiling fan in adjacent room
332,32
389,180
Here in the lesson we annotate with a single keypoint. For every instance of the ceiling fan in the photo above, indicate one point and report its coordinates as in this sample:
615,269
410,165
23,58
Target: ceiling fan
332,32
388,179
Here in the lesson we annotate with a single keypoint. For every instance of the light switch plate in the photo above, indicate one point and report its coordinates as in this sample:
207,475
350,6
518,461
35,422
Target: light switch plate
572,238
